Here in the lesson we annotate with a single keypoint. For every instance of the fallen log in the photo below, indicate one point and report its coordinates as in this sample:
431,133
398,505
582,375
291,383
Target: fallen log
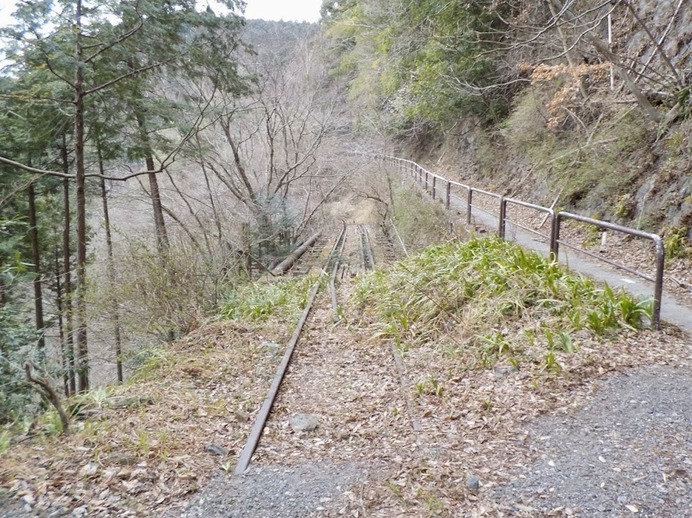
287,263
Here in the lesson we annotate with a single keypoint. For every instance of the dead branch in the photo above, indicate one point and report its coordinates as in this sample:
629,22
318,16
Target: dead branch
48,392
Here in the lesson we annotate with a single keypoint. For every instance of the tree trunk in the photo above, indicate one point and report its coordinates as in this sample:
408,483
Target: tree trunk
61,326
154,192
115,312
603,49
82,360
215,212
245,248
159,221
36,260
67,273
193,213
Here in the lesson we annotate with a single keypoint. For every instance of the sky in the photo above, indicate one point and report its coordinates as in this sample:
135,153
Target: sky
288,10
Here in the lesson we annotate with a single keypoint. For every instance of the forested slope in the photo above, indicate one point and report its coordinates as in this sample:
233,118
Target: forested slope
587,101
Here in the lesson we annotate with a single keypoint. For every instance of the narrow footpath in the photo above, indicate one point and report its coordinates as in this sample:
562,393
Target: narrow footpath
673,310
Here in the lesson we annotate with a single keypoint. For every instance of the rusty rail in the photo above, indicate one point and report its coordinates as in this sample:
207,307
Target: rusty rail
265,409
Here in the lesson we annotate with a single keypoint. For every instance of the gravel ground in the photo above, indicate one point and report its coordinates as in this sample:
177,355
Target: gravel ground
627,451
269,492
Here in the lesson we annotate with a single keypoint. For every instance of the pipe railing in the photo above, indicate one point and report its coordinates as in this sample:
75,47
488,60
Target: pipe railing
655,238
469,206
504,219
426,178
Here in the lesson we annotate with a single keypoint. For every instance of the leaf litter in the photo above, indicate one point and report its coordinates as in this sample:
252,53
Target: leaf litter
146,447
144,452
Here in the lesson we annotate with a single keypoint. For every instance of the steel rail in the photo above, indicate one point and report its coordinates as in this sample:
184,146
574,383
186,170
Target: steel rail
263,414
366,248
335,255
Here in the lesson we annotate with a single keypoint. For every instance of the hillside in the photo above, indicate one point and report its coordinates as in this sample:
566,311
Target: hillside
588,105
145,206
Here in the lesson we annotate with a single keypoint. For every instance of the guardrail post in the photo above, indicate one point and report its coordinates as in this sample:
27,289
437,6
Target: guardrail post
448,194
426,181
503,213
553,237
469,205
658,285
555,243
434,187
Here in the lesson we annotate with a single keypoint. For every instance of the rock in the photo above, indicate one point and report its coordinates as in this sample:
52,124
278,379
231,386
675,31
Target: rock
88,470
270,347
303,422
473,483
506,370
215,450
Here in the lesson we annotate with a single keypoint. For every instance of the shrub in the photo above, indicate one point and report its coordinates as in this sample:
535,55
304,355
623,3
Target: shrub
485,285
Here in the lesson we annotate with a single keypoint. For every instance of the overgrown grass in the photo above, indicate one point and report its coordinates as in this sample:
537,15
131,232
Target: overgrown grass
676,243
484,291
589,161
282,300
418,222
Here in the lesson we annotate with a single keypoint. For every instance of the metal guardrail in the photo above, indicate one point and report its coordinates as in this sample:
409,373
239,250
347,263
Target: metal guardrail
550,212
655,238
426,178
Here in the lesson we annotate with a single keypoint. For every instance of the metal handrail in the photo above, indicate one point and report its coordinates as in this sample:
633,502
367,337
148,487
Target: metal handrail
655,238
551,214
469,206
555,220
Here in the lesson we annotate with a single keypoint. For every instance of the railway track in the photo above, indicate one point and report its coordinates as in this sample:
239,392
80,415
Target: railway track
312,259
332,376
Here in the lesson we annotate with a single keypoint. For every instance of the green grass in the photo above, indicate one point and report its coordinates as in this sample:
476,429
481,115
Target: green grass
485,291
418,222
282,299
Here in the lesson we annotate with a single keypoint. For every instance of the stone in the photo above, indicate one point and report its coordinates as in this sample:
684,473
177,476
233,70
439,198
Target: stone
506,370
473,483
215,450
272,348
303,422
